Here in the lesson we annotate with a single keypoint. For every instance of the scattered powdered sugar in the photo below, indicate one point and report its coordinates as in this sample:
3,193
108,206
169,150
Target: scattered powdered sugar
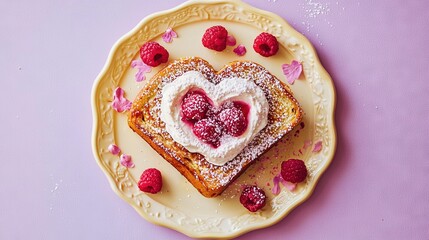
317,14
54,190
313,8
57,185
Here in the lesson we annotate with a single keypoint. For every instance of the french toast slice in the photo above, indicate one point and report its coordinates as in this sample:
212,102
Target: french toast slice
209,179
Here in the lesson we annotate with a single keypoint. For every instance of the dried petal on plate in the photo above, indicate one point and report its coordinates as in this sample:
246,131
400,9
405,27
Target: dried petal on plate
307,144
230,40
142,69
276,188
115,150
120,103
126,161
169,35
317,146
292,71
240,50
290,186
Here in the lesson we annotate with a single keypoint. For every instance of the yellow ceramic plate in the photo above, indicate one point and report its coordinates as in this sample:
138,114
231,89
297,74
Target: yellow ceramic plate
179,206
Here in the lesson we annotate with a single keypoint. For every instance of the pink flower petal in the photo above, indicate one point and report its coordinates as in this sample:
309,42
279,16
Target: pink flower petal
142,69
115,150
173,33
136,63
240,50
276,188
290,186
230,40
317,146
169,35
292,71
126,161
120,103
307,144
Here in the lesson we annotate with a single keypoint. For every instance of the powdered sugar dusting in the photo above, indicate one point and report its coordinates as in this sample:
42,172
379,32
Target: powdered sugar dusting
219,176
229,88
313,8
316,14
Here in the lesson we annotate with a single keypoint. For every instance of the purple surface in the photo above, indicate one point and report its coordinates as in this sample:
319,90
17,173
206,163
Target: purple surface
376,188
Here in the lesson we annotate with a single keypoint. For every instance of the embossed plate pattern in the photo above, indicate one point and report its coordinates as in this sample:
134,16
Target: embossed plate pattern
179,206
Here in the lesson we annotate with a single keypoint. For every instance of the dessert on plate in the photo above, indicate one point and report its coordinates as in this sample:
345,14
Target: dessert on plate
212,125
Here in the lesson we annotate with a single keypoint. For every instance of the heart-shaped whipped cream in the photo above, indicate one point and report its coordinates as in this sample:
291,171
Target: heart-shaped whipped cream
234,90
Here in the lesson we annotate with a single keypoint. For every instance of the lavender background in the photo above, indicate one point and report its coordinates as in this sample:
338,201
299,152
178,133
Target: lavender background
376,188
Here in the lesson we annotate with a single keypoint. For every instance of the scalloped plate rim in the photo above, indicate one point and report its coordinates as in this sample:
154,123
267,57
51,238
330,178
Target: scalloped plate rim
331,119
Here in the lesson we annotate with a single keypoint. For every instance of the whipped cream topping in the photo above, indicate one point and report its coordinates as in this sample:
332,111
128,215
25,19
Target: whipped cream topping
229,89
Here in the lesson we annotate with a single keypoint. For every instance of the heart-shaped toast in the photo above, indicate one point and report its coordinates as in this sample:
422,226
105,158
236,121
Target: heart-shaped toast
210,179
213,105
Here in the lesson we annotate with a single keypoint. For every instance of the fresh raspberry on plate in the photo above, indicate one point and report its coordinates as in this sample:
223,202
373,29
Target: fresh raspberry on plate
153,54
150,181
233,120
209,131
253,198
194,106
293,170
215,38
266,44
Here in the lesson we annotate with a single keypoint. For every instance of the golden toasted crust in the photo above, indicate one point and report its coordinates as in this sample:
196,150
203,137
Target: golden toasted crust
211,180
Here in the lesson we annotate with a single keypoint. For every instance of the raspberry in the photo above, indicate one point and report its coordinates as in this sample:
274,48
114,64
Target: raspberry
209,131
253,198
215,38
233,120
153,54
293,170
266,44
150,181
194,106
